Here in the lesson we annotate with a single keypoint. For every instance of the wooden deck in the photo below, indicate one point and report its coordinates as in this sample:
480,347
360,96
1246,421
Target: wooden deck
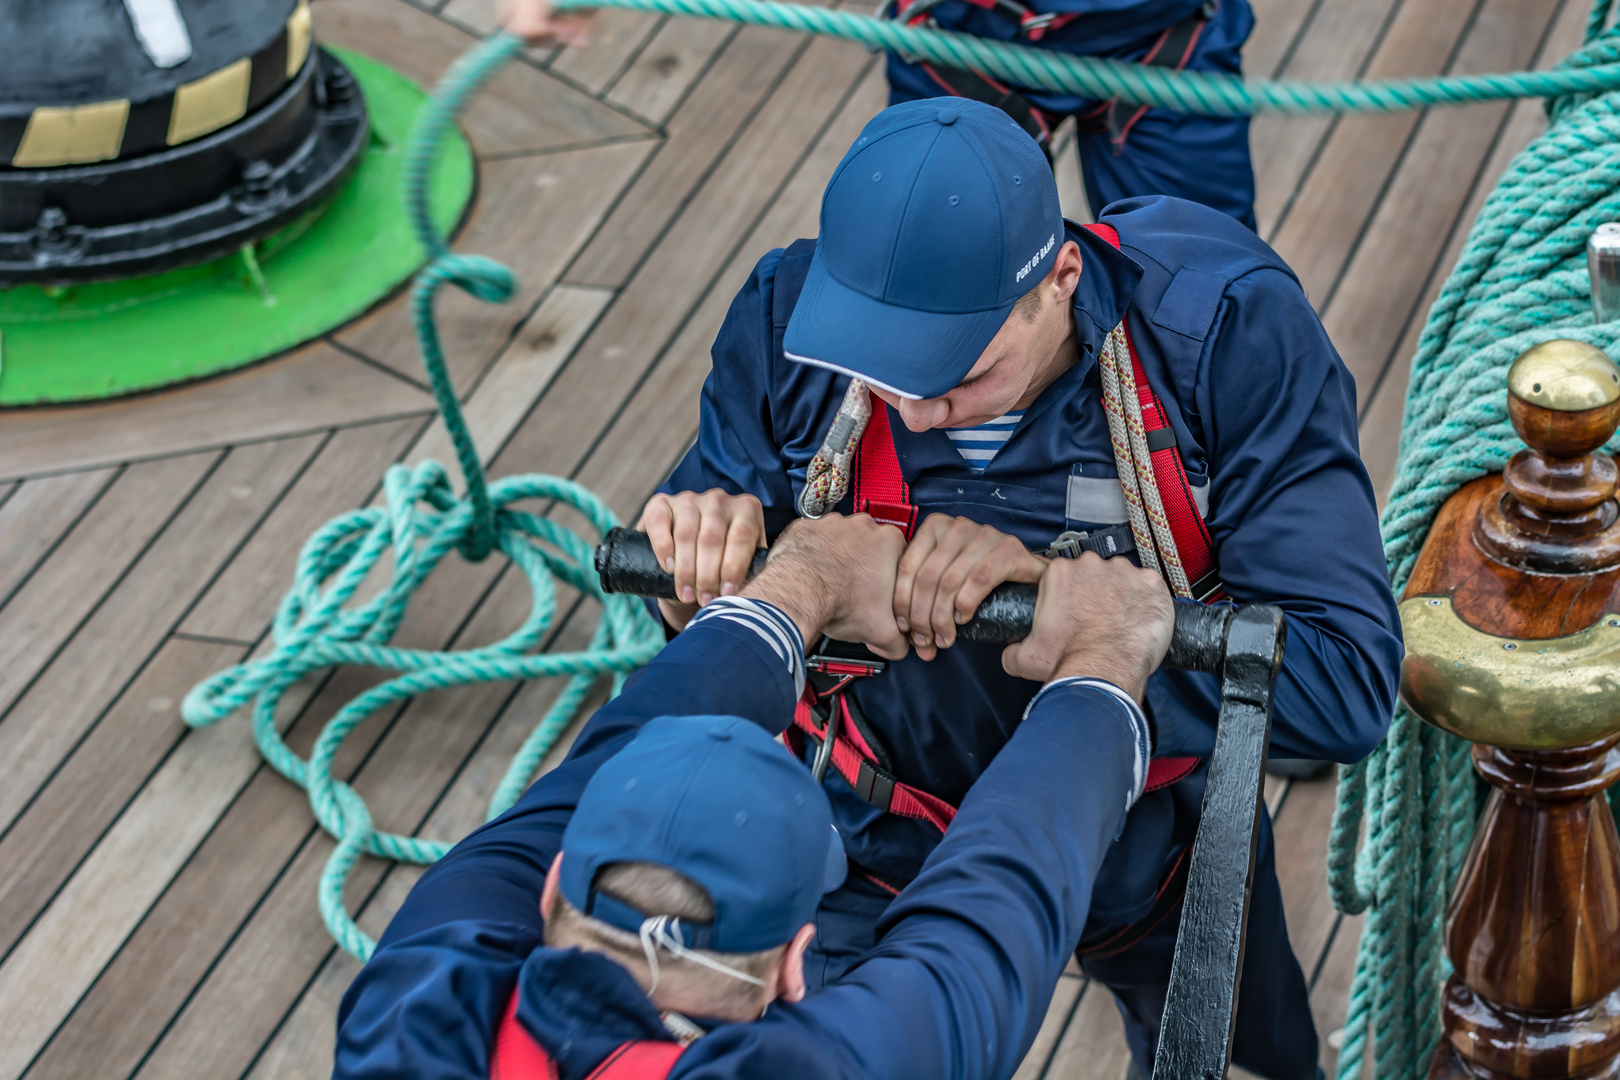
157,886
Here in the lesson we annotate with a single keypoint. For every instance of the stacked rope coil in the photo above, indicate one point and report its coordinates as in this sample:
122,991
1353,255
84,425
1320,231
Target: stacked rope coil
321,623
1412,805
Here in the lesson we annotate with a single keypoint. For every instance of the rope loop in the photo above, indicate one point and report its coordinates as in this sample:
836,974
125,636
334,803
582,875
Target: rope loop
357,574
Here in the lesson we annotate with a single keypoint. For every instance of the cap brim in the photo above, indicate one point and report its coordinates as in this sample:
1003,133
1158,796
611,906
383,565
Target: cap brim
916,354
837,863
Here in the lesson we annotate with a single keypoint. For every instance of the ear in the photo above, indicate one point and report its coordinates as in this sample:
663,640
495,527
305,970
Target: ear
548,895
1064,277
790,969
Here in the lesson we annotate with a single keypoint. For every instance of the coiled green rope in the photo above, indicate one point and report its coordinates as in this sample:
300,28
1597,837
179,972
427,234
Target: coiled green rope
1520,280
1094,77
317,627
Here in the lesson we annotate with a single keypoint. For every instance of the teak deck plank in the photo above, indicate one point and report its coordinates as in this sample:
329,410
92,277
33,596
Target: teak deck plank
1396,256
607,369
68,818
1343,187
81,930
533,215
668,66
1336,44
662,416
36,516
71,694
617,38
699,136
521,110
311,389
96,553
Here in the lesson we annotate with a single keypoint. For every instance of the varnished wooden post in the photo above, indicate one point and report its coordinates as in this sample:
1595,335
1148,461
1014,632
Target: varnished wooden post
1512,621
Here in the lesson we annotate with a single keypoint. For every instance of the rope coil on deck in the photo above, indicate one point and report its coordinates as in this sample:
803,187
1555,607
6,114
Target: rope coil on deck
1521,280
320,624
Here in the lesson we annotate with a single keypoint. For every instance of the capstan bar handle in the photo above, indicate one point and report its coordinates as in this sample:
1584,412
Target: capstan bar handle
625,564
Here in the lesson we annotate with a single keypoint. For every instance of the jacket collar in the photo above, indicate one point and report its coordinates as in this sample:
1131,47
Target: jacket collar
581,1006
1108,281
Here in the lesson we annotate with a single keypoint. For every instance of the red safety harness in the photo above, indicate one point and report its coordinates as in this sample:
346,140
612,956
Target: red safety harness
518,1057
880,489
1172,49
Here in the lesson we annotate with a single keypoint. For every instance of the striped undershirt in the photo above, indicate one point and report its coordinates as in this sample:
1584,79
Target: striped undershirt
978,445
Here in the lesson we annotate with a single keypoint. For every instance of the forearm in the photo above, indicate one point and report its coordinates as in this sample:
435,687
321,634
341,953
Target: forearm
971,950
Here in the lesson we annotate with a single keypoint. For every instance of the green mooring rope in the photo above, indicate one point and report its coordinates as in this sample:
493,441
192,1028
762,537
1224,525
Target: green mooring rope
1184,91
317,628
1521,280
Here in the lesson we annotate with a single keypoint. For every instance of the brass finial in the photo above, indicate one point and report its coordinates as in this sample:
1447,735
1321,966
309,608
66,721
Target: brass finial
1565,376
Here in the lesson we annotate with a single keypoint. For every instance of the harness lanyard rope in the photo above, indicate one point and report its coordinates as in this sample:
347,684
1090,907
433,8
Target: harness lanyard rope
827,480
320,624
1150,528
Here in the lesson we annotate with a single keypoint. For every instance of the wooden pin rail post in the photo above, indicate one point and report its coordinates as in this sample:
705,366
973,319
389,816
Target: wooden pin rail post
1512,623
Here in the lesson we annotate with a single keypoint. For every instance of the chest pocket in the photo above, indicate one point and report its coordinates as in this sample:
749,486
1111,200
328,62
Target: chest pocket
1026,512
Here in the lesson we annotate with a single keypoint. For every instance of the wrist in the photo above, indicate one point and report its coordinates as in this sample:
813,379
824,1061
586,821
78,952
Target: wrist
1131,678
803,601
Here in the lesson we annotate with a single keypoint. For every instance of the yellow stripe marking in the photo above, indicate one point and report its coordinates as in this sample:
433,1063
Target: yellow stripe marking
298,34
211,102
75,135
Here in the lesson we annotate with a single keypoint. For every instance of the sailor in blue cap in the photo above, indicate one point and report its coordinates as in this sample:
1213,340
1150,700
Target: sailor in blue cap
684,853
1125,150
954,357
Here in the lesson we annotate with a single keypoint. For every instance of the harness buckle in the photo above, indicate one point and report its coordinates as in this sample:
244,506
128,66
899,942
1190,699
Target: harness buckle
1068,545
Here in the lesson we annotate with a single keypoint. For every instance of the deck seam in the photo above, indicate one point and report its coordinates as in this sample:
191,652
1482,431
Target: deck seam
116,696
1333,124
113,586
1479,175
724,263
1400,160
114,472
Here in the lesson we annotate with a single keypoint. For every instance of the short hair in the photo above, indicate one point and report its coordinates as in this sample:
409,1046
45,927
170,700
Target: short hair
683,986
1029,305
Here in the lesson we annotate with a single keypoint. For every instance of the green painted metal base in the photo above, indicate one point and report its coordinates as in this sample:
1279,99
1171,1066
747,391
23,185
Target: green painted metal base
118,337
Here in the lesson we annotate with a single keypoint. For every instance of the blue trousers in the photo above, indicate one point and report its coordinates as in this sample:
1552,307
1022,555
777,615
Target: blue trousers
1201,158
1275,1035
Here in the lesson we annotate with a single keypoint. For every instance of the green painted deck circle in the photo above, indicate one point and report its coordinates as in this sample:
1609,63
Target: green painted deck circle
118,337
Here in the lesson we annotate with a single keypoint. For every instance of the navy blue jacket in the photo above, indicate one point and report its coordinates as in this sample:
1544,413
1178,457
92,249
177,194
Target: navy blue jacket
1264,411
957,986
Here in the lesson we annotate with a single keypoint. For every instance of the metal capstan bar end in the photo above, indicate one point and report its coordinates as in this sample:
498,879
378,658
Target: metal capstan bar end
1603,266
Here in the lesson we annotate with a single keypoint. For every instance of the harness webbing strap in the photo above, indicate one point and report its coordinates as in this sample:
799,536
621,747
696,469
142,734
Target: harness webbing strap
1194,544
880,487
517,1056
854,760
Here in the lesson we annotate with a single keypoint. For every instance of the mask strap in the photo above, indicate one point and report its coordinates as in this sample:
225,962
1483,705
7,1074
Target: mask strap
660,932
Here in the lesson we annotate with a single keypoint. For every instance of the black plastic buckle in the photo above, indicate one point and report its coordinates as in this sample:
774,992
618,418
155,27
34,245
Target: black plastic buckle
875,788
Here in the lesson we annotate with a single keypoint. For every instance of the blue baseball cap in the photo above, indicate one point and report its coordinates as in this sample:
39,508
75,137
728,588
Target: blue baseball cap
718,800
938,219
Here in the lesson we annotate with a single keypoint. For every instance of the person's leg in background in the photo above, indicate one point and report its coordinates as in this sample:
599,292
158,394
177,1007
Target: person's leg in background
1201,158
1276,1035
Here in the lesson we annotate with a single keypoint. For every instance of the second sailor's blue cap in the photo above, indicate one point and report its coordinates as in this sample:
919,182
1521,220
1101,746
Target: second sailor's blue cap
718,800
938,219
